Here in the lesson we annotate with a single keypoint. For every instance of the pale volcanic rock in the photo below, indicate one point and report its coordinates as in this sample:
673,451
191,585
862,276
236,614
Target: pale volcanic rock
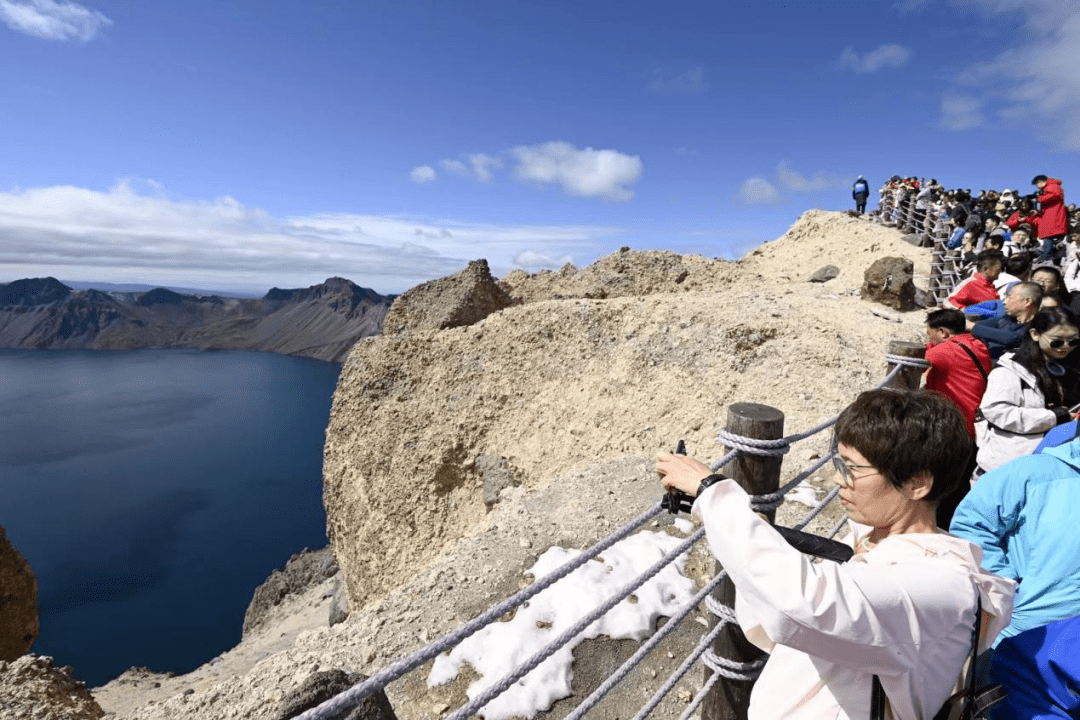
461,299
32,688
551,384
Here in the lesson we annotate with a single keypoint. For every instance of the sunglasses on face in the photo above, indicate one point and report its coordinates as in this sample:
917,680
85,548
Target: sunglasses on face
1061,342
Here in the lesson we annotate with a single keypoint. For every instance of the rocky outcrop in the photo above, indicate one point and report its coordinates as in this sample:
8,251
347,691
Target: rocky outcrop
322,321
18,602
627,273
302,571
321,686
549,384
464,298
889,282
31,688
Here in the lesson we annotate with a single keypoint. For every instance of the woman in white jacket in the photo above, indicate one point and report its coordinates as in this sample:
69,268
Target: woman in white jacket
902,609
1029,392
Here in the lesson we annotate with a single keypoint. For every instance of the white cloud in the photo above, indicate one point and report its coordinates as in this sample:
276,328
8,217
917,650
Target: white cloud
123,236
422,174
792,179
961,112
534,261
757,191
687,82
53,19
885,56
454,166
1034,82
584,172
482,165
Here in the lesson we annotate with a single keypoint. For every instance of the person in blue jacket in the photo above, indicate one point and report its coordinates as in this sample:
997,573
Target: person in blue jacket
860,190
1024,515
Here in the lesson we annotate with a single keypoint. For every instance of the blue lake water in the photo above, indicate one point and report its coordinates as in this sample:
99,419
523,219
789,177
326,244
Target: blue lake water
152,491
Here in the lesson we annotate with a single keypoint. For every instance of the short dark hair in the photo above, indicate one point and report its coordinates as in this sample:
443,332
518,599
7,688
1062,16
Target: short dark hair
903,433
987,259
1018,264
1038,179
951,320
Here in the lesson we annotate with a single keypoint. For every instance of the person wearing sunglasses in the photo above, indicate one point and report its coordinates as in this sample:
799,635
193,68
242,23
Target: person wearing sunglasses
1030,391
903,608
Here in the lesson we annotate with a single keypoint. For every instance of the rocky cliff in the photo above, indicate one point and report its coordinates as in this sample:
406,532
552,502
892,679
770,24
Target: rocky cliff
321,322
457,453
622,358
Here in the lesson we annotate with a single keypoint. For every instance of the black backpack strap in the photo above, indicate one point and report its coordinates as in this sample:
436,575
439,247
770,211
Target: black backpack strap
971,354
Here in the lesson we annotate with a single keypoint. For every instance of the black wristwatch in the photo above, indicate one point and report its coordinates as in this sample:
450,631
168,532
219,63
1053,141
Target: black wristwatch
708,481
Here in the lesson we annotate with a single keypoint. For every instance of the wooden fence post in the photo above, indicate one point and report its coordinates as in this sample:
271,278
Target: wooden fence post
758,475
909,377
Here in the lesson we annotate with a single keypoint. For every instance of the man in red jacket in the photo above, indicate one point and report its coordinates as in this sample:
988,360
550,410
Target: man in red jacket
1053,218
980,286
959,366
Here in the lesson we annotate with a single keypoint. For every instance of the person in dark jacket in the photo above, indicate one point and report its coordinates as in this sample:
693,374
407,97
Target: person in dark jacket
860,190
1002,334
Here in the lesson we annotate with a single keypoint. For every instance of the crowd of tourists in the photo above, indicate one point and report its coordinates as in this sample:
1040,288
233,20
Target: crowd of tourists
988,450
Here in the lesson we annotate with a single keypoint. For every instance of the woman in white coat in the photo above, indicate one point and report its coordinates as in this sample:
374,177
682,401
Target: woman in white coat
1029,392
902,609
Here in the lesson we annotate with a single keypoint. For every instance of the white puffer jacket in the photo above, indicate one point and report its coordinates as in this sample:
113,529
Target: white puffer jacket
1014,415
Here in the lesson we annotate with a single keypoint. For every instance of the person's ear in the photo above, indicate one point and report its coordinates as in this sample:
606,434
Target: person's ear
1034,334
919,486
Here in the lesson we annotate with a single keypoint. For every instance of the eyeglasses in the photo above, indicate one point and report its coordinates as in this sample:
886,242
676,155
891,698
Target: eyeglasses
847,470
1061,342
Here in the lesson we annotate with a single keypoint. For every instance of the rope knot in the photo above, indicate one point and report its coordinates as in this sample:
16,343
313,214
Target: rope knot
777,447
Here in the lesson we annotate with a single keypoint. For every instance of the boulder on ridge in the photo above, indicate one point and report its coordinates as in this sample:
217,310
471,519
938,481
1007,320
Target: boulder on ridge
889,282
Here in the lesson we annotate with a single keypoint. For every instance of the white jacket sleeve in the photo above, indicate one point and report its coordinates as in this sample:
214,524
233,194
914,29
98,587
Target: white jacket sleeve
860,615
1004,405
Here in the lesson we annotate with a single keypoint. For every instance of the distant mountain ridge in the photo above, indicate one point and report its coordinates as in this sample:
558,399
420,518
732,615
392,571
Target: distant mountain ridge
322,321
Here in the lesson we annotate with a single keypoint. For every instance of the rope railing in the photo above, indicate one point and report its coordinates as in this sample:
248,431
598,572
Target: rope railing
721,667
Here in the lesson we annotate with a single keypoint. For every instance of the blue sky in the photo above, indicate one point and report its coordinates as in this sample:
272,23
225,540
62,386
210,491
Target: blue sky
249,144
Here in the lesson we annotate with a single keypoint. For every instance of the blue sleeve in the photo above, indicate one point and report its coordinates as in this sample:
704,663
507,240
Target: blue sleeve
989,513
991,330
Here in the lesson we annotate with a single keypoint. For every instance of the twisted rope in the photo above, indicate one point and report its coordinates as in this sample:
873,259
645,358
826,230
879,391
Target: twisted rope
702,646
544,653
713,679
352,697
631,662
762,503
907,361
754,446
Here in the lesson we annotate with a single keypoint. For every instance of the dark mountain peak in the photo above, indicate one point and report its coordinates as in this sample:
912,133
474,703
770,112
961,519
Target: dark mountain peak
336,287
161,296
32,291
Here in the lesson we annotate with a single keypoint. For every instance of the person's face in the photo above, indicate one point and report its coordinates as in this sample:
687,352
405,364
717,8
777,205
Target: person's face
993,272
1047,281
867,495
1015,303
1041,184
1020,237
1058,341
936,336
991,223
